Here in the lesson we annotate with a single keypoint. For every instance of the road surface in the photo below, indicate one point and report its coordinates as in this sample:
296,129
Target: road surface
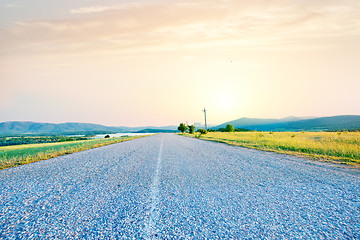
168,186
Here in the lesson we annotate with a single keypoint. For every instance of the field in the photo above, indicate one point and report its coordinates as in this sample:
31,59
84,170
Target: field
11,156
341,147
20,140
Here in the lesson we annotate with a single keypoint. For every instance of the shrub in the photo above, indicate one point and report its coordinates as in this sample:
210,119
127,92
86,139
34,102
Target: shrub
242,130
202,131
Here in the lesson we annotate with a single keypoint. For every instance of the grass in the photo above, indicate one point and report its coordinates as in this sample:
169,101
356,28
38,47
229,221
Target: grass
11,156
340,147
20,140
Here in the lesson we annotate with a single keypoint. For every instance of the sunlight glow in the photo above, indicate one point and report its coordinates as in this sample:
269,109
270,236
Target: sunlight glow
225,102
142,62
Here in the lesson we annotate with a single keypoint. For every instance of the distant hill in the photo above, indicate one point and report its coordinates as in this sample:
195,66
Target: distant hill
151,130
259,123
345,122
35,128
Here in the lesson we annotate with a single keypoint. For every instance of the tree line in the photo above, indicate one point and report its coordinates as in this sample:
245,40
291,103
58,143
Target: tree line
191,129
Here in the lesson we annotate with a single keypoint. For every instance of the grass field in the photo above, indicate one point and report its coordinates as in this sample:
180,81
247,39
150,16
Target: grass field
341,147
11,156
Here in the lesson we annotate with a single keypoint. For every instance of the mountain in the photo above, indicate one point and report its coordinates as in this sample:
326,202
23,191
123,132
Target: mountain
18,127
344,122
151,130
258,123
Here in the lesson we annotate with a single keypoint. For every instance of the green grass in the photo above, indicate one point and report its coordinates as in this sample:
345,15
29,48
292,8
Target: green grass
20,140
337,147
11,156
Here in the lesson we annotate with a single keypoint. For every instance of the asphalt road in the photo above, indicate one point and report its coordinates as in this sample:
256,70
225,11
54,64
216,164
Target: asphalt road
168,186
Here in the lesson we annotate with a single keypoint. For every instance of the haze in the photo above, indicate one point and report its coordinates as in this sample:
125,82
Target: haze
160,62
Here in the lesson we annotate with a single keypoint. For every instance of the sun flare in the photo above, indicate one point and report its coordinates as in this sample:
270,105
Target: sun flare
224,102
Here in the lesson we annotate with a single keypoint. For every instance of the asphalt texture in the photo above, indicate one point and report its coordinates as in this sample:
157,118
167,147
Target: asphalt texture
172,187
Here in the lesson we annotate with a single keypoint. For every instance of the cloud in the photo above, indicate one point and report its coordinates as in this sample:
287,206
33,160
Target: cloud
98,9
187,24
12,5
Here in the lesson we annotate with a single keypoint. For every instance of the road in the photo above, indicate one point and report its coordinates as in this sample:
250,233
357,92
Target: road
168,186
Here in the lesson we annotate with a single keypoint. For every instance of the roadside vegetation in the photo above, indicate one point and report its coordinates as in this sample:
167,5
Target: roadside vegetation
182,127
340,147
11,156
20,140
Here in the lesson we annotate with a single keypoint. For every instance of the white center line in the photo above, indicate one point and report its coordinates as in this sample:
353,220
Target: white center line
154,195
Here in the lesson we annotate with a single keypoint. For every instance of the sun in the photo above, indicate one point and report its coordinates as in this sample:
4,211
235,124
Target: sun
224,101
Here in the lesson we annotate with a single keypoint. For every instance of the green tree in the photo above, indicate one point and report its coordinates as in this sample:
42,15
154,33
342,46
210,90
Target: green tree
182,127
229,128
191,129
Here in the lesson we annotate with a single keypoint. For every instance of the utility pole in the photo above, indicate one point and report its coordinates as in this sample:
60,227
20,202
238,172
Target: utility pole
205,118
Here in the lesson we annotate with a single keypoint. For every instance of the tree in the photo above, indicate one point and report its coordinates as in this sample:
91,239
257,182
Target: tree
191,129
182,127
229,128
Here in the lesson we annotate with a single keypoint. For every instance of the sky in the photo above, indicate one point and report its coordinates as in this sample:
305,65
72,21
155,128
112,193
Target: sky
160,62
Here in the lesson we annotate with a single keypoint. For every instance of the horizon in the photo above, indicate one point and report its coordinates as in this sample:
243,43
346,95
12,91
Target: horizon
158,63
202,124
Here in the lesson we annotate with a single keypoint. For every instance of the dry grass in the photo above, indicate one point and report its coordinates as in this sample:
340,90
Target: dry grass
11,156
341,147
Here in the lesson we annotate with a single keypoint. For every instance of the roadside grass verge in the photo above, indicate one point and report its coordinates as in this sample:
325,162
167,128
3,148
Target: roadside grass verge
339,147
11,156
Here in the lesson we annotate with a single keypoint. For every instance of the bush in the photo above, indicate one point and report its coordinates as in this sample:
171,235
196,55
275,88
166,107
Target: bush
229,128
202,131
182,127
242,130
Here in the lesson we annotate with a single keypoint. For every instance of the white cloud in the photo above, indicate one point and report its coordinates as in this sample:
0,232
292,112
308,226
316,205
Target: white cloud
12,5
98,9
188,25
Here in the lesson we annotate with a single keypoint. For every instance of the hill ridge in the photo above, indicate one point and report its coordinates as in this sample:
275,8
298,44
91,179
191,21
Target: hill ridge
332,123
11,128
